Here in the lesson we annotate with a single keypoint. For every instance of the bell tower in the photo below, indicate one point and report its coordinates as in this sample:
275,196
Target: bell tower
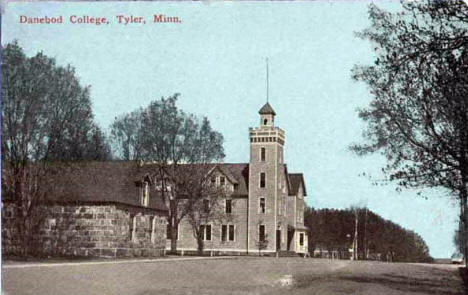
265,168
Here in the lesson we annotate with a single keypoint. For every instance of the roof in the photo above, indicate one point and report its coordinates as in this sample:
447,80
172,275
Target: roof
100,182
267,110
116,181
240,171
296,179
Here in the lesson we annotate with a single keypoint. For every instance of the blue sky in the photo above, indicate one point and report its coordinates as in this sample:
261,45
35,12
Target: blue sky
215,58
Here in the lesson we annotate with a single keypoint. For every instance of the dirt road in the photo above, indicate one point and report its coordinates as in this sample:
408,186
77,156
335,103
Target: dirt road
245,275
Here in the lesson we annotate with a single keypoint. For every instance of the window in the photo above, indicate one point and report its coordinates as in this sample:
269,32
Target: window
265,121
262,205
144,194
231,232
206,232
223,233
213,181
132,227
151,228
262,154
206,206
301,239
228,206
262,179
261,233
222,180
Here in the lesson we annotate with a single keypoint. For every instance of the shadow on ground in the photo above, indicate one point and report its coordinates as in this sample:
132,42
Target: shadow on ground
438,282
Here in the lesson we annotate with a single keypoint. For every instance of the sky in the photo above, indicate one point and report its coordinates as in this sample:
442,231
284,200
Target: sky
215,58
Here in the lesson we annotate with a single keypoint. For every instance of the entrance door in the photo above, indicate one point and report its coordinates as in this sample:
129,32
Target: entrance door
278,240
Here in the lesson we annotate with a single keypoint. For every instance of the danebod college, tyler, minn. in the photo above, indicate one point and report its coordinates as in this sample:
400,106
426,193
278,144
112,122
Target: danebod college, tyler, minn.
114,209
97,20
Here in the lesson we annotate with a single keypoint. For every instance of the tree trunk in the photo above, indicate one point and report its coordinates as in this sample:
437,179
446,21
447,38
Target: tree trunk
463,196
174,239
200,246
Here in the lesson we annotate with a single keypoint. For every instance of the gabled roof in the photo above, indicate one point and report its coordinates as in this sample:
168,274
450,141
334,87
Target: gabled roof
296,179
267,110
100,182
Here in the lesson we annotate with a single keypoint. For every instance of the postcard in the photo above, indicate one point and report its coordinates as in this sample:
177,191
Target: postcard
234,147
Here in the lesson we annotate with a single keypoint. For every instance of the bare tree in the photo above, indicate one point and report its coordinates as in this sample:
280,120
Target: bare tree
418,117
172,140
205,202
46,117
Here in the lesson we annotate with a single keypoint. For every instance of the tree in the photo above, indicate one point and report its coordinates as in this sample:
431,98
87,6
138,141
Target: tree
204,202
333,230
125,137
46,117
418,118
172,140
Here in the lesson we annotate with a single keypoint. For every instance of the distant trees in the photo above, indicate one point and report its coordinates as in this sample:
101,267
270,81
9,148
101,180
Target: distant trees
418,117
46,117
334,230
172,140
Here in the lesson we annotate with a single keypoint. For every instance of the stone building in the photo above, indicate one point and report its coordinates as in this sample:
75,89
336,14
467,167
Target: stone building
265,201
95,209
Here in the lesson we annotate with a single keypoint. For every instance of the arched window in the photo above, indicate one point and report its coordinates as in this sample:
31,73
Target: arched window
265,121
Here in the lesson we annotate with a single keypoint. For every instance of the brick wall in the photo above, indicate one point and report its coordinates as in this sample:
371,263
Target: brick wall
90,230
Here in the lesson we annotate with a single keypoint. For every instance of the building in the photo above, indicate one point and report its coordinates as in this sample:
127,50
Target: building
265,200
94,209
115,209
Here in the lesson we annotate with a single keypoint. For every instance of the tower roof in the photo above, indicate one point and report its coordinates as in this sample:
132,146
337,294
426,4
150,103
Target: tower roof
267,110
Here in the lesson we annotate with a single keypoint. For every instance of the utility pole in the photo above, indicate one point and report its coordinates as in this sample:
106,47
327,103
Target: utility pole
365,235
355,243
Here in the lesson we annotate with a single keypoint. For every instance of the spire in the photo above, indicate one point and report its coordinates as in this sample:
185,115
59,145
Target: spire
267,81
267,110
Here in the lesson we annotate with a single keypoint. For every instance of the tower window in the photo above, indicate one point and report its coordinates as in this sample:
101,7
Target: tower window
265,121
262,205
262,154
261,233
262,179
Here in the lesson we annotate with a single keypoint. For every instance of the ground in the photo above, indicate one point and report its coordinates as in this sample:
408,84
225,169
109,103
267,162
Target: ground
243,275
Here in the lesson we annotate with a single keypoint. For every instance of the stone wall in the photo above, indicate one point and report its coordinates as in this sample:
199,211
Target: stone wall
106,230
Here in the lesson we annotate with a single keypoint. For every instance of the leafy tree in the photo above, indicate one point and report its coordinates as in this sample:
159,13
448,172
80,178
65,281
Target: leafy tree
418,117
46,117
334,230
124,136
173,140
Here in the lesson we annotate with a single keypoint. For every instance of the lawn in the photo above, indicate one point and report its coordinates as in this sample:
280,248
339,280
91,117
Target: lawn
243,275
